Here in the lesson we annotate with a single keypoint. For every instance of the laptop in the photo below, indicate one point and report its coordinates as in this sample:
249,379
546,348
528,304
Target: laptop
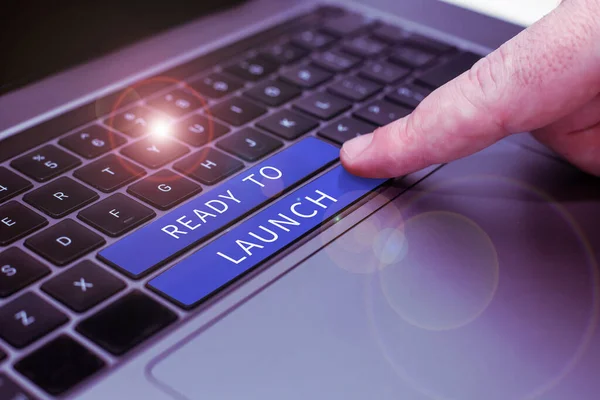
175,223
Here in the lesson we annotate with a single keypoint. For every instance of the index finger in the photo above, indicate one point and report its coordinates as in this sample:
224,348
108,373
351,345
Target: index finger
541,75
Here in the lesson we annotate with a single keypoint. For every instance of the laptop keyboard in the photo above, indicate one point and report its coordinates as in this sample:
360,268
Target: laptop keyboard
94,222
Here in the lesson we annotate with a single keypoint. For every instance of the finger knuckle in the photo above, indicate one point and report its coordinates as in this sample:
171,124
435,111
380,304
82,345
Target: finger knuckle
408,134
488,83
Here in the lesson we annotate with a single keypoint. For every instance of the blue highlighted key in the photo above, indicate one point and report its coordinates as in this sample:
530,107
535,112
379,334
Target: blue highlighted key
193,222
260,237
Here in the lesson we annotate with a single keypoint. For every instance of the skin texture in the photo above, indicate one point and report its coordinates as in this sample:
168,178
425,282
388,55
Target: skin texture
546,81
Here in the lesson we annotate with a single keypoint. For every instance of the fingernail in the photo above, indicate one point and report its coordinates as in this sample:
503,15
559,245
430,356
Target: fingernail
354,147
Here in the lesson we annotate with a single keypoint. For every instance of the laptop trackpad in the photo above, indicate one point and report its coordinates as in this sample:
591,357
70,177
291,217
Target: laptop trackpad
477,284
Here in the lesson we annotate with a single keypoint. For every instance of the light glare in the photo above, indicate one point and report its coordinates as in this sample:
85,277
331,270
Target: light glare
160,128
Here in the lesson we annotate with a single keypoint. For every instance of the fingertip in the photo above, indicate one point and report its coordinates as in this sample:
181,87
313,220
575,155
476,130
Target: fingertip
349,164
352,154
354,148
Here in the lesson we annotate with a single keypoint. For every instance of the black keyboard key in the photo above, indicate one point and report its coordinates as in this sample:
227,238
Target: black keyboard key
335,61
208,166
355,88
177,103
323,105
45,163
216,85
116,215
92,141
346,129
347,24
312,40
109,173
64,242
428,44
10,390
252,69
136,121
197,130
83,286
384,72
364,46
164,189
382,112
307,76
283,53
409,95
388,33
17,221
441,74
249,144
155,151
18,270
273,93
59,365
27,318
60,197
237,111
287,124
11,184
412,57
126,323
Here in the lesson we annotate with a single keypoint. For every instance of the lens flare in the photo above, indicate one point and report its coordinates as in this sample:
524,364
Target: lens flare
160,128
493,338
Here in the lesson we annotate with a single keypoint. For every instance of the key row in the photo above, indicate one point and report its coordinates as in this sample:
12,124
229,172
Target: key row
138,121
80,288
112,172
155,152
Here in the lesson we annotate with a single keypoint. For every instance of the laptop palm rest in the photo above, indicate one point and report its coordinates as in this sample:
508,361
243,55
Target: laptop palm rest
479,283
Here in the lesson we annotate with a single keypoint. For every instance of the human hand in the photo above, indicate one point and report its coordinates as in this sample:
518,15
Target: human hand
546,81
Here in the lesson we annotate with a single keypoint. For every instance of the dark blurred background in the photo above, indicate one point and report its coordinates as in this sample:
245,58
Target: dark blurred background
41,37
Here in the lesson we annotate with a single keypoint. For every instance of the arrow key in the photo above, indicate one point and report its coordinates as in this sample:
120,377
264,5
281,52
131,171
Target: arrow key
249,144
345,129
83,286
